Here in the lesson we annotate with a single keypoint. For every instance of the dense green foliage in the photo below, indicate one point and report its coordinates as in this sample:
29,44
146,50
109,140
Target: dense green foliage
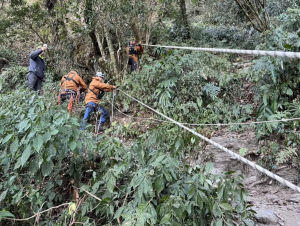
44,155
141,174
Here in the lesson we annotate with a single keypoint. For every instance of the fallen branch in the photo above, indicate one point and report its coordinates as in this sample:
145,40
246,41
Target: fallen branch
26,219
258,182
5,60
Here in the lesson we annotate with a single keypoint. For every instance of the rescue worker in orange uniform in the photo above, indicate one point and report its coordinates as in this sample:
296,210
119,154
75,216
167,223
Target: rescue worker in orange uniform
96,91
133,50
71,85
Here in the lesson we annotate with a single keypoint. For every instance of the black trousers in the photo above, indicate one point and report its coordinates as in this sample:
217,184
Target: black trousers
134,64
34,82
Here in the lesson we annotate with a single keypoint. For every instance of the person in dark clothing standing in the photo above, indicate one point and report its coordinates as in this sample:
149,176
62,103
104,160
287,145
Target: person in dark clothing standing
36,69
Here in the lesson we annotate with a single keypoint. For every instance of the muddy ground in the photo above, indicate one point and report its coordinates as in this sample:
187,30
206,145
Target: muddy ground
274,203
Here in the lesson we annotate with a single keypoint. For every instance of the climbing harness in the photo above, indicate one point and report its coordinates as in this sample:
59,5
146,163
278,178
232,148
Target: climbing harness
67,78
132,50
100,94
68,93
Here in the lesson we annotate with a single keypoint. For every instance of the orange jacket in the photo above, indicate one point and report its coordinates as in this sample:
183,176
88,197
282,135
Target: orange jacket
95,85
65,84
139,49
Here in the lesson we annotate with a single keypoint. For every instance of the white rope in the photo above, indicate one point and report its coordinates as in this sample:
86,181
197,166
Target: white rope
217,124
242,159
240,51
129,116
112,108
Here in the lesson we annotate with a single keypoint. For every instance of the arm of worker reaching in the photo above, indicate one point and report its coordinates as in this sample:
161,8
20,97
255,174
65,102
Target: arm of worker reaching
35,54
105,87
81,83
140,48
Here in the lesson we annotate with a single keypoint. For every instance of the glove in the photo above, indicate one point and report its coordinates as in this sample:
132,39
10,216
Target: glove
117,87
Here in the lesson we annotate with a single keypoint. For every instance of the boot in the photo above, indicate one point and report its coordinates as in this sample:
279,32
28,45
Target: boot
100,127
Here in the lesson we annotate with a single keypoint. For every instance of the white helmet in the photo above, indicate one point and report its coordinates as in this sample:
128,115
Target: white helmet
100,74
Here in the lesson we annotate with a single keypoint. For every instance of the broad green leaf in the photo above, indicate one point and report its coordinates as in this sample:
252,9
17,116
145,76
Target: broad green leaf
226,206
14,147
165,219
273,74
177,145
25,155
74,121
265,100
51,152
3,195
54,132
219,222
47,168
289,92
111,183
287,46
4,213
159,184
72,145
248,222
59,182
47,137
119,212
22,125
7,138
209,167
216,210
38,143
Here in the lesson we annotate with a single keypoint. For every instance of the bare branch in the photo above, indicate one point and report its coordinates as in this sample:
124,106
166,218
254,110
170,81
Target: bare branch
26,219
91,194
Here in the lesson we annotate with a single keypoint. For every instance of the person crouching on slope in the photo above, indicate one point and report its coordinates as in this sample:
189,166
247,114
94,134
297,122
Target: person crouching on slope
71,85
96,91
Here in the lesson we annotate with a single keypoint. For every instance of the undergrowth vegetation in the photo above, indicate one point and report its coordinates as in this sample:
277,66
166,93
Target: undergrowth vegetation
137,173
46,161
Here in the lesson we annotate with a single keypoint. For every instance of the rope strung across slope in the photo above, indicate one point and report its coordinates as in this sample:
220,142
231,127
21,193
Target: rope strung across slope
240,51
242,159
217,124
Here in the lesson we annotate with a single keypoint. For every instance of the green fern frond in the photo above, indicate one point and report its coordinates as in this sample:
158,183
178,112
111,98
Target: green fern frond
286,155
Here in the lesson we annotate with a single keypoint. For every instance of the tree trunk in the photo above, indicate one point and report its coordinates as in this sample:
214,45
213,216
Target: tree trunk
184,19
255,11
111,50
96,47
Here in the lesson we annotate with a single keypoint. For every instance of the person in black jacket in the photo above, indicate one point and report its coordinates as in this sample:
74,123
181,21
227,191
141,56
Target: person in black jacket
36,69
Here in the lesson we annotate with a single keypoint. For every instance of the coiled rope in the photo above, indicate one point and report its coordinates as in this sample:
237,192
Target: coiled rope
240,158
240,51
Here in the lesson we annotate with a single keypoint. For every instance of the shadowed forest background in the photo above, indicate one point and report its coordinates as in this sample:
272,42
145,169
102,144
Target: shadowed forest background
141,172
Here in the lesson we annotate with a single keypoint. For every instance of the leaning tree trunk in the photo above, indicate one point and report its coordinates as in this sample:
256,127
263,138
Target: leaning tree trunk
256,12
88,19
111,50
